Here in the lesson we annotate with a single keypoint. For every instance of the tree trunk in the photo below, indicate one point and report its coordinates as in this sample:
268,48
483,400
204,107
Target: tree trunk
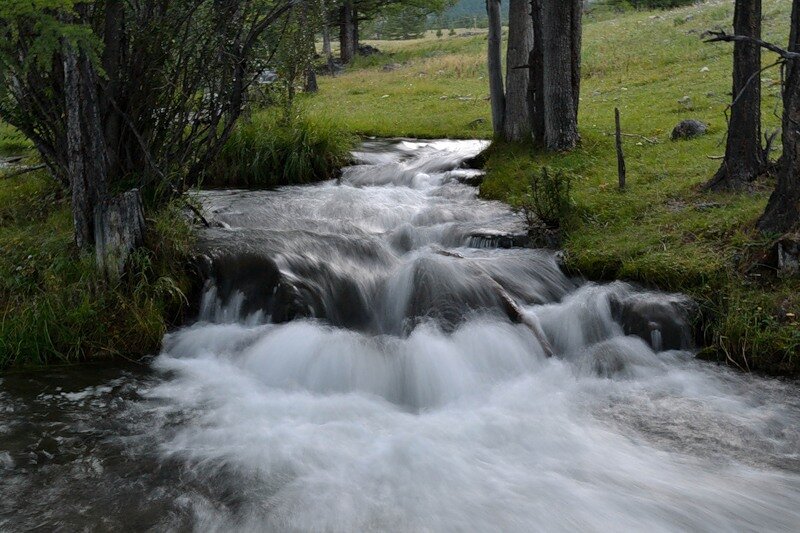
560,88
495,65
536,76
356,36
326,31
346,34
118,231
743,155
85,144
576,36
783,209
516,123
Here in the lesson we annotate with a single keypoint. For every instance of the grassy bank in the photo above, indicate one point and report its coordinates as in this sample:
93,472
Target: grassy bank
54,305
267,151
662,231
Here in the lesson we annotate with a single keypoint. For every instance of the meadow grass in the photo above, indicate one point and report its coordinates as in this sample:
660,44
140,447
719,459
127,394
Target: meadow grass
662,231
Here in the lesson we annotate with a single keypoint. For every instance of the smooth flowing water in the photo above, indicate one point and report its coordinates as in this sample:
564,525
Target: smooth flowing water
374,354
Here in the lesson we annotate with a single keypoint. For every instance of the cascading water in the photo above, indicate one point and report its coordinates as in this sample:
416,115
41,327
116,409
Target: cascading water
375,354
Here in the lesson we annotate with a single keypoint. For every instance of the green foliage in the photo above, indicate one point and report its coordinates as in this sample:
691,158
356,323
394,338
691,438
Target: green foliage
547,200
401,21
267,152
55,306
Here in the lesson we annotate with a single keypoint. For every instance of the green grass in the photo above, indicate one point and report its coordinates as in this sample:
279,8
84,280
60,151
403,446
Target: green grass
12,142
266,152
662,231
54,305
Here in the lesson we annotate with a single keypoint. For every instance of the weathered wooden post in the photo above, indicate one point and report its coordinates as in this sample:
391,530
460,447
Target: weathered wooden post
620,154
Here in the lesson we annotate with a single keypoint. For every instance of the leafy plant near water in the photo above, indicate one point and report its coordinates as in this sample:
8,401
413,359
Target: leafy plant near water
267,152
547,200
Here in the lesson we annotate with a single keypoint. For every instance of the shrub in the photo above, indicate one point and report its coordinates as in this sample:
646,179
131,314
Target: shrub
547,200
266,152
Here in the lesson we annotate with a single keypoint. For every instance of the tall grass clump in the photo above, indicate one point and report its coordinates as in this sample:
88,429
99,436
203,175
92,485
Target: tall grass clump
268,151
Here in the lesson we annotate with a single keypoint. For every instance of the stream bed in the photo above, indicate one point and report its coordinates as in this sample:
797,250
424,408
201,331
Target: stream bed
378,353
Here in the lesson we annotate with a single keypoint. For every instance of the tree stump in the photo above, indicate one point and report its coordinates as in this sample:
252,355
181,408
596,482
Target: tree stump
118,231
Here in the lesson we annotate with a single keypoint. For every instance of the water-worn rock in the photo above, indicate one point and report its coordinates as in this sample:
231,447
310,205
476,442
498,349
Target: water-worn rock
688,129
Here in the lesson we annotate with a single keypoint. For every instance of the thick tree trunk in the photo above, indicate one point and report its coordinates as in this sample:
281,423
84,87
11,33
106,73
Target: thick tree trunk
495,64
346,32
516,124
560,87
536,76
783,209
743,154
119,230
85,144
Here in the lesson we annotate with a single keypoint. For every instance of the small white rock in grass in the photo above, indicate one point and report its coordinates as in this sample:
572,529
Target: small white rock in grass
705,69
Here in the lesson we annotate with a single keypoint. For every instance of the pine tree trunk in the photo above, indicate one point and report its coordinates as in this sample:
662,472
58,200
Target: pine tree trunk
85,144
516,124
783,209
536,76
743,155
495,65
560,87
346,32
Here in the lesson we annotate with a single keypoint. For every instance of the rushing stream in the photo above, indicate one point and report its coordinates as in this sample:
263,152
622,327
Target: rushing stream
376,354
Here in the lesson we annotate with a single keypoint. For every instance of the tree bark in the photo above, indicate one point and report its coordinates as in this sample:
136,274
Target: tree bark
783,209
536,76
346,43
743,154
561,89
118,231
346,32
516,123
495,65
85,144
327,51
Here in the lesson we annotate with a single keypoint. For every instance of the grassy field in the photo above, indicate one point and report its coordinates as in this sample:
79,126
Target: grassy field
662,231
